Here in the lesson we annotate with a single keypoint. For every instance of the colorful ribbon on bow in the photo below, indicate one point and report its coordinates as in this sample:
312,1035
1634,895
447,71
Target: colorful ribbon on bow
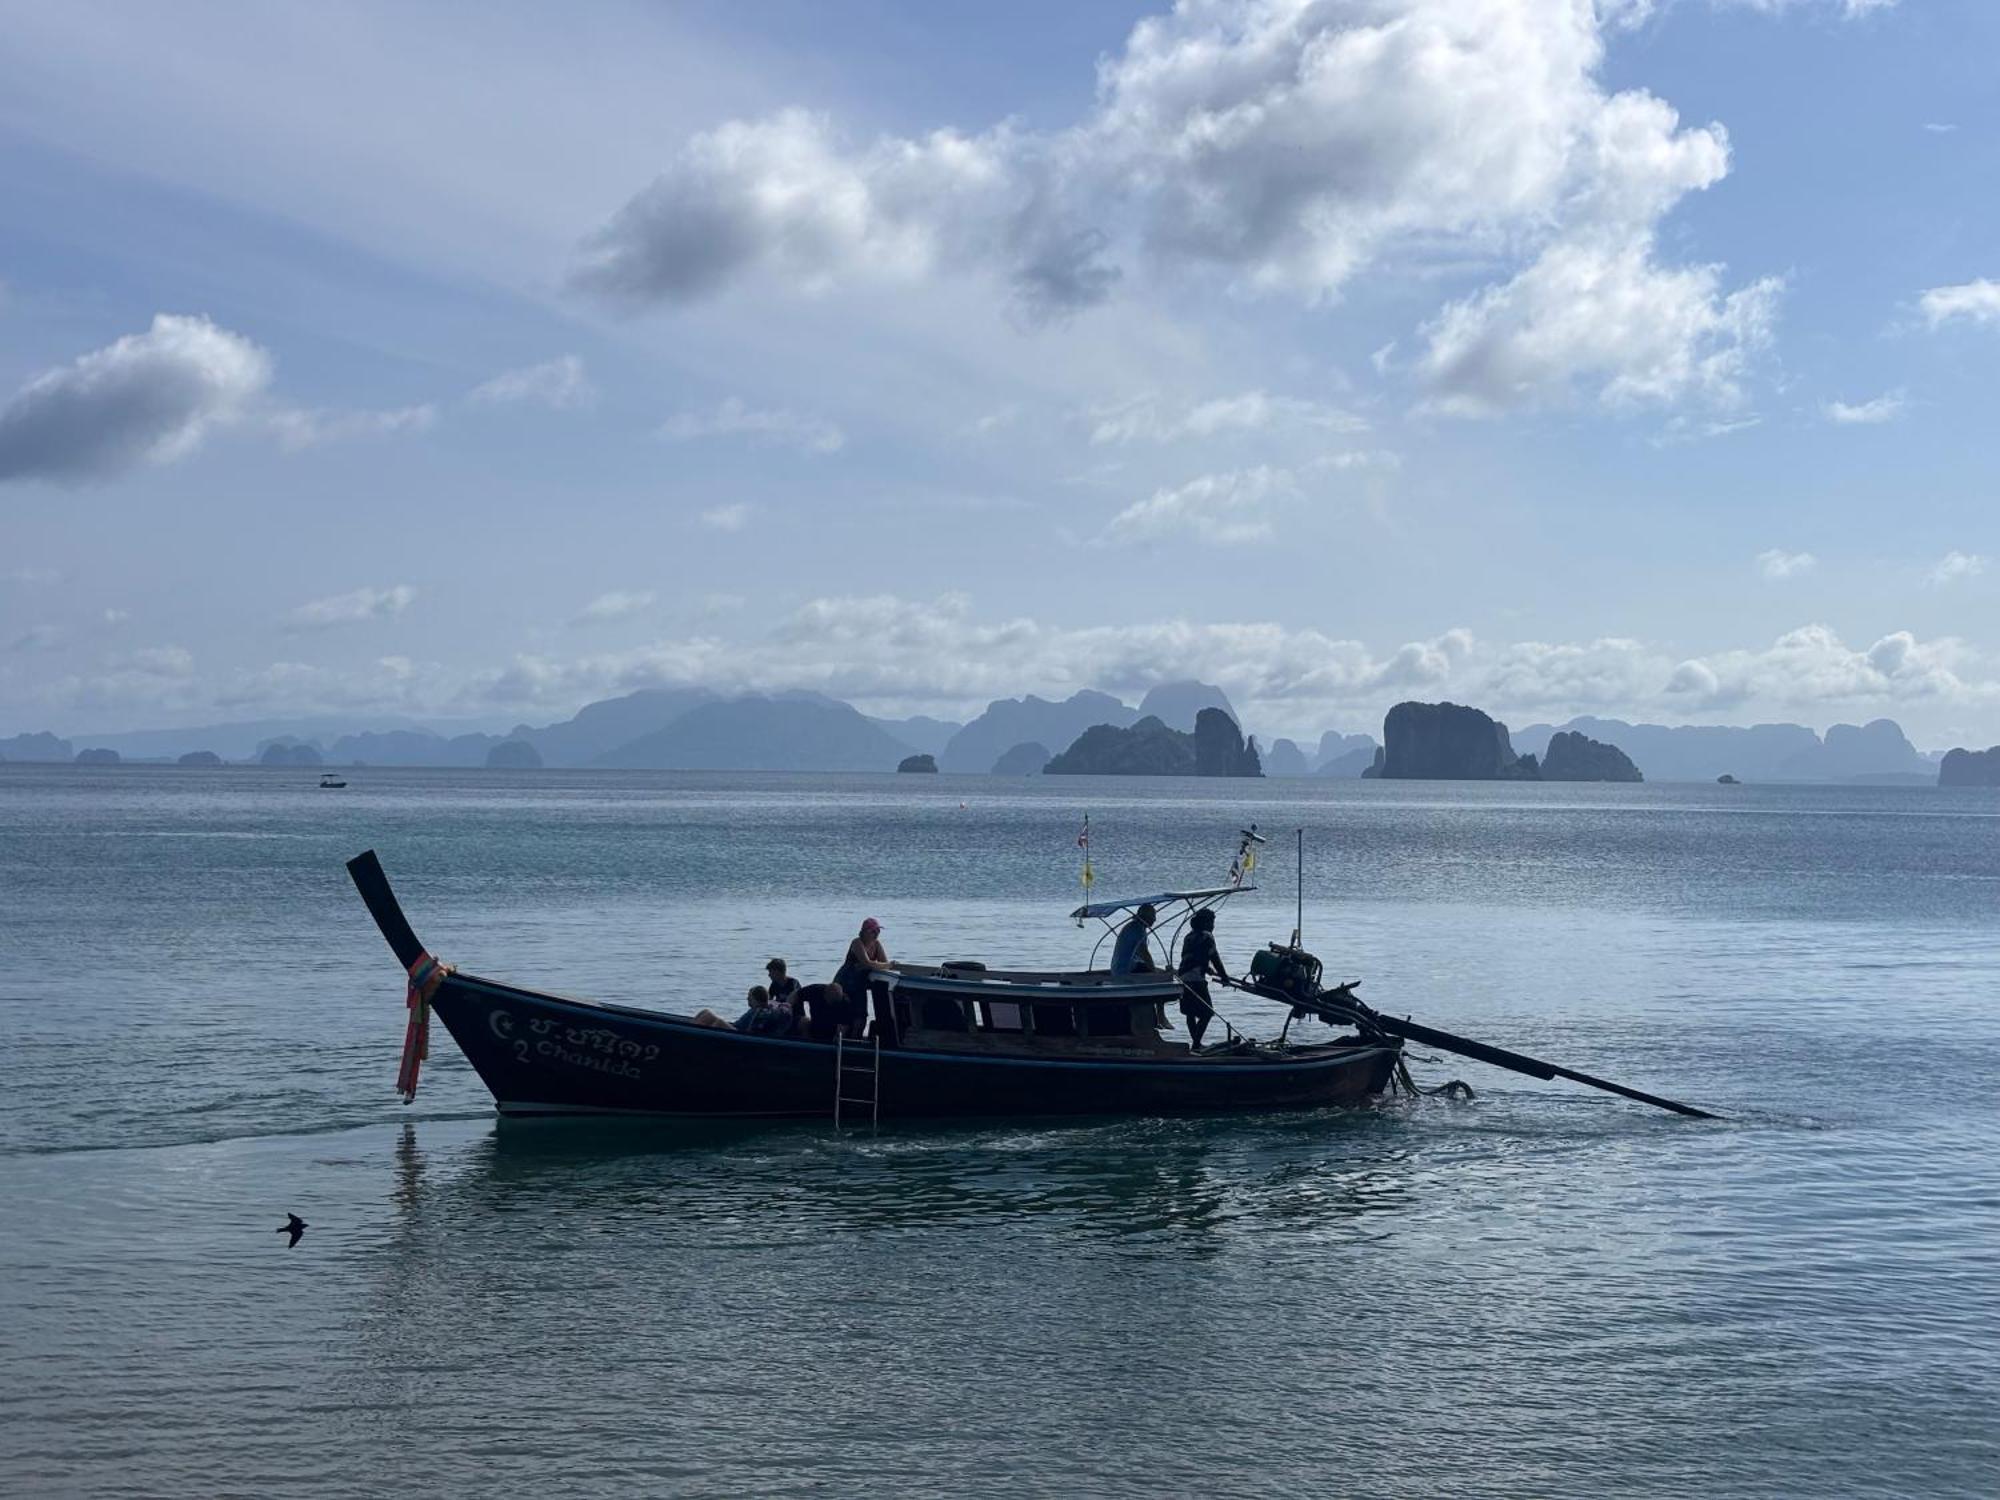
426,974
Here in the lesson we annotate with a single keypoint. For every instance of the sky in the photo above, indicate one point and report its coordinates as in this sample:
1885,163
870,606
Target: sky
468,363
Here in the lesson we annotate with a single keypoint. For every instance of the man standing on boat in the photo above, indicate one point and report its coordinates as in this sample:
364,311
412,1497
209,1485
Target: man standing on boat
1199,959
1130,955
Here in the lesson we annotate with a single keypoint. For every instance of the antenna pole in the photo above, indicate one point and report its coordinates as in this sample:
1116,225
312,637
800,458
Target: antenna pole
1299,931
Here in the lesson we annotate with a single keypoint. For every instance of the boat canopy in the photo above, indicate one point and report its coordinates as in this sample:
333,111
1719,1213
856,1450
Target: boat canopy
1112,908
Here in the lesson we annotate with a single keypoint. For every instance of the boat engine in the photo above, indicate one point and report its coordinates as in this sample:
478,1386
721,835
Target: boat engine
1292,972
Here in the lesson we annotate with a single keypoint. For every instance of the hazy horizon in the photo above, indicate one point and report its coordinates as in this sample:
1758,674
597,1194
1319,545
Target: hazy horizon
329,727
1630,359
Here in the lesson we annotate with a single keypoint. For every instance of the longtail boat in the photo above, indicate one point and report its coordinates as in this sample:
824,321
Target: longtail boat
938,1041
944,1040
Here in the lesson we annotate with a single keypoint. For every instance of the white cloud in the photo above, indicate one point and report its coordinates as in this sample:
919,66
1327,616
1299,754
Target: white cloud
116,616
619,604
1634,12
1852,10
297,429
156,678
783,196
1543,676
1221,507
148,398
936,654
1971,302
1779,565
1150,419
734,418
354,608
934,650
1812,667
1286,146
997,420
559,384
732,517
157,661
1682,428
1953,566
1885,408
1694,679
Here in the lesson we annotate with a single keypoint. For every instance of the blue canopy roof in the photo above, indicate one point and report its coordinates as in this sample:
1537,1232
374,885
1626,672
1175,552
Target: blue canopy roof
1112,908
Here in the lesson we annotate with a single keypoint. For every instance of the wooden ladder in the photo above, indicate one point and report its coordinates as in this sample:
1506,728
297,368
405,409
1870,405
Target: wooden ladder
870,1068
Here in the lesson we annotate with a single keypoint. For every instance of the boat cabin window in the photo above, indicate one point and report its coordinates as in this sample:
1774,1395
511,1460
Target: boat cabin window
1107,1020
1027,1017
1055,1020
942,1014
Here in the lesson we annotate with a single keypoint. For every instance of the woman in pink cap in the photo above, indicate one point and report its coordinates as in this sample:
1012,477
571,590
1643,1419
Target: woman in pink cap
864,953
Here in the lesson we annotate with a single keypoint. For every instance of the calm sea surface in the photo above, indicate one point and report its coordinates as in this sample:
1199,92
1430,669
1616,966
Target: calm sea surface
1542,1292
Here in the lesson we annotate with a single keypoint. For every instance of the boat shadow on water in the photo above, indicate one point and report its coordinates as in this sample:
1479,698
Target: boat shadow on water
1195,1185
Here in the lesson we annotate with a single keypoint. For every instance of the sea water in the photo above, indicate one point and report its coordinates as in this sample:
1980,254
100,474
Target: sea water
1544,1291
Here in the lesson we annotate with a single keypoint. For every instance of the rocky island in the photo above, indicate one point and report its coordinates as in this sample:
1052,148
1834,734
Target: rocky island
924,763
1447,742
1970,768
1149,748
1577,757
1450,742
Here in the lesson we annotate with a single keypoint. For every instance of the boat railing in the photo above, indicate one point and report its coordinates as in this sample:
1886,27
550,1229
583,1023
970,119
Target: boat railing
1095,982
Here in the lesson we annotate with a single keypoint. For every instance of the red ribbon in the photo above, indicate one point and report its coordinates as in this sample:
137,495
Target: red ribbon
426,974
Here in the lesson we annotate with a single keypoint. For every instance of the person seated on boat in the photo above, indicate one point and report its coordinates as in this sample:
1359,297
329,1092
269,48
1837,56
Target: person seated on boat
1130,954
759,1001
865,954
781,984
782,1017
1199,959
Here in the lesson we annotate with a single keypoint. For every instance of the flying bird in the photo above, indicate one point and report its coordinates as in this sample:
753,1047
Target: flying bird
294,1226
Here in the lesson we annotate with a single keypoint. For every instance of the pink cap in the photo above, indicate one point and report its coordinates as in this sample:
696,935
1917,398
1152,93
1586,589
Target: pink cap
871,925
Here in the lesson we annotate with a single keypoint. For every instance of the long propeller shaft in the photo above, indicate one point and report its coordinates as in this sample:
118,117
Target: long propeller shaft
1339,1005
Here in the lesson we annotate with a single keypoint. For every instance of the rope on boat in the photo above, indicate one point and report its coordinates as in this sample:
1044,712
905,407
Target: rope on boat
1455,1088
426,974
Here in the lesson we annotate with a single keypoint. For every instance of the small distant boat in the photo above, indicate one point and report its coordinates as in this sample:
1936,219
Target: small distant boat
331,783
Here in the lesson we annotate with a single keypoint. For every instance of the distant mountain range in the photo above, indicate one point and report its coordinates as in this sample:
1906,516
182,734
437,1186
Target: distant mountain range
762,734
702,729
1877,751
1008,722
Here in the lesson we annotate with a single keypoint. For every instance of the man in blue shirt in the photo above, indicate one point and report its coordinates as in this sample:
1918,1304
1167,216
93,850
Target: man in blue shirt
760,1000
1129,955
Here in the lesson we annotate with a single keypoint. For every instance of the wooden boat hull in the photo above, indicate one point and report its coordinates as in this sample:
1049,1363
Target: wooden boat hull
543,1054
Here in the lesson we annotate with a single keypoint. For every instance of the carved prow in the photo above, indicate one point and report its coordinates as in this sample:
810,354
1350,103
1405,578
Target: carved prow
366,871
